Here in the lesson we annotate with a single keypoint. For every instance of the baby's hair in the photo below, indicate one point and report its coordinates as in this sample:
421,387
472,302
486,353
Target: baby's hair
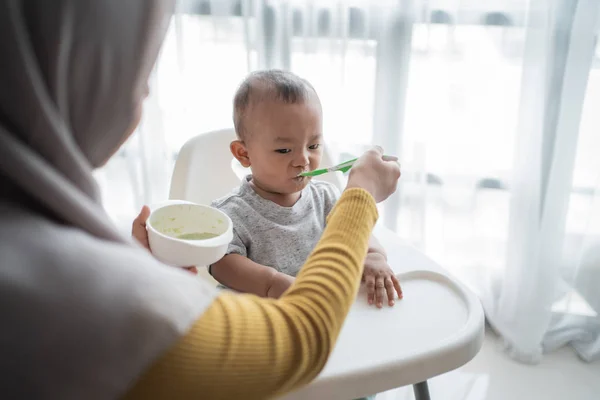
269,85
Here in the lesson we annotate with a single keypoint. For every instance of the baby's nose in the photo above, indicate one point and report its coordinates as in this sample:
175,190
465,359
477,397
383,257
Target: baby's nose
302,160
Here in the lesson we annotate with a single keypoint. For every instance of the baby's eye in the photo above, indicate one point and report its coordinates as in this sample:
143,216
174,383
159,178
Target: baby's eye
314,146
283,151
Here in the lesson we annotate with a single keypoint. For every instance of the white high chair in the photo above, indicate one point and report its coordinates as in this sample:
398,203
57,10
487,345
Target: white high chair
436,328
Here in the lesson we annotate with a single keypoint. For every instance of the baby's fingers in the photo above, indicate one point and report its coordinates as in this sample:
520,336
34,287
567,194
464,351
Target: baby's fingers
396,283
379,291
370,283
389,288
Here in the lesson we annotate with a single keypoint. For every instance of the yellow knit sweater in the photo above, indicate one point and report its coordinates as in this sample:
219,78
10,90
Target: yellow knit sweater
246,347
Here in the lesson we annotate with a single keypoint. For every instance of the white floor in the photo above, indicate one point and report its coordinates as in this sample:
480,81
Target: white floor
491,375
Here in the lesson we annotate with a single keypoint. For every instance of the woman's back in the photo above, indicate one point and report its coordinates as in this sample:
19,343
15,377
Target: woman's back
79,335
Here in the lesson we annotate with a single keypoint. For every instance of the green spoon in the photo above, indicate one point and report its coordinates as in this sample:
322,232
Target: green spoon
344,167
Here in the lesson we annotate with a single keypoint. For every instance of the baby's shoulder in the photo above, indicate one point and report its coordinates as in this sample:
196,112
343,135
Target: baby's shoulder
324,190
241,206
237,198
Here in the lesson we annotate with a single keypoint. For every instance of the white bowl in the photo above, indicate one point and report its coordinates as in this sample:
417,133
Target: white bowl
174,218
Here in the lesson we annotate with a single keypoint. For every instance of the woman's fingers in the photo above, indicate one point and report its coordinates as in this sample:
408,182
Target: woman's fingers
192,270
138,228
138,231
375,173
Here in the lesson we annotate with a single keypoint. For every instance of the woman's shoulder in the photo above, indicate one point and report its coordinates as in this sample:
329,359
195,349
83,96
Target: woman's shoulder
27,234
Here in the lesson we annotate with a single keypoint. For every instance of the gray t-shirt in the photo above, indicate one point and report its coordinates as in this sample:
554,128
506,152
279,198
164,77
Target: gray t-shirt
276,236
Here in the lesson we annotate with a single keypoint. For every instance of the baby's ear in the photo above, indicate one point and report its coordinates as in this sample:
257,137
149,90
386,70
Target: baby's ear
239,151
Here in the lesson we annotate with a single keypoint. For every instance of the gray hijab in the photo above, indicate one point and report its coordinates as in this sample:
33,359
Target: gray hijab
83,310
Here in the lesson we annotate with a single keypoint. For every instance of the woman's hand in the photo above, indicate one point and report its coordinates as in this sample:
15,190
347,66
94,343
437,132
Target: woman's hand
375,173
138,228
139,233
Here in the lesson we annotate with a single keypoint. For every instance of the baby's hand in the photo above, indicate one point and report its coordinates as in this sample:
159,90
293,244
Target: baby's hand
380,280
139,233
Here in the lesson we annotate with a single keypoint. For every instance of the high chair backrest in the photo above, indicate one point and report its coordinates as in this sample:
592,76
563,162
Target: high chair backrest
204,170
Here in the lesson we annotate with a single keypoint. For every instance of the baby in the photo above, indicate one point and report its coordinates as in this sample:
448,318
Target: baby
278,217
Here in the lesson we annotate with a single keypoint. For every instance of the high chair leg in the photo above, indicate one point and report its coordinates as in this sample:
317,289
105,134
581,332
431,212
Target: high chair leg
421,391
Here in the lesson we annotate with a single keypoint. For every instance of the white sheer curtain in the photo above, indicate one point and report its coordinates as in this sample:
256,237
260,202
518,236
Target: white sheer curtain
491,105
541,256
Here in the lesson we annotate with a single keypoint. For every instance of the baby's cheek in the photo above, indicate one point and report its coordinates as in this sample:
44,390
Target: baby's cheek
315,161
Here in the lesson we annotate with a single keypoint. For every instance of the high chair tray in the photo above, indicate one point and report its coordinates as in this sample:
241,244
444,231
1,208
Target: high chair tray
437,327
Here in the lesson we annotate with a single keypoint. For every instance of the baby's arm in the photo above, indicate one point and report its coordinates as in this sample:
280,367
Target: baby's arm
376,247
242,274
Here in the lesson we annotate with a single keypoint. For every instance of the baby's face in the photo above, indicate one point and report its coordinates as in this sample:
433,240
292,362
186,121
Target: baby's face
283,141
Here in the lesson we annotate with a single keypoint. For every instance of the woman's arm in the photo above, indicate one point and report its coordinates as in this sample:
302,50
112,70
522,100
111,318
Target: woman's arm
252,348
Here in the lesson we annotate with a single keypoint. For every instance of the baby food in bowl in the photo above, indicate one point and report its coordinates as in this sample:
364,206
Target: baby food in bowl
197,236
183,234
